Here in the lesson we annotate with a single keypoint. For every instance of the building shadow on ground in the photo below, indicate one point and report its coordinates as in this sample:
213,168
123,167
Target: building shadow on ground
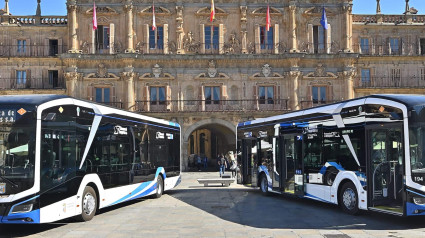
248,207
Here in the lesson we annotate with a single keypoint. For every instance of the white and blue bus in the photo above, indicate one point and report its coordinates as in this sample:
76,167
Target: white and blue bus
363,154
62,157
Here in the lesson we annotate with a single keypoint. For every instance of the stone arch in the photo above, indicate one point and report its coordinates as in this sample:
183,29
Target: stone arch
206,122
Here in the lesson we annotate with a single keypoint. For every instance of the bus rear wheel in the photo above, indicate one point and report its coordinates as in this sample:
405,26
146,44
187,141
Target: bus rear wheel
159,187
88,204
349,199
264,184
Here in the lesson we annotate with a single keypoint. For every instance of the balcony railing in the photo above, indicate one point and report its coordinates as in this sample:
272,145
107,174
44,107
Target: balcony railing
314,103
35,20
113,104
32,83
388,19
213,105
31,50
387,49
390,82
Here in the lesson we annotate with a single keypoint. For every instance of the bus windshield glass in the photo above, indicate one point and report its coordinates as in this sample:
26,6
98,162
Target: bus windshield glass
17,149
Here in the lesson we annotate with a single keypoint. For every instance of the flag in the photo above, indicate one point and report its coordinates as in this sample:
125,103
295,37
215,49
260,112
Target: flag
94,17
268,20
324,20
212,15
153,15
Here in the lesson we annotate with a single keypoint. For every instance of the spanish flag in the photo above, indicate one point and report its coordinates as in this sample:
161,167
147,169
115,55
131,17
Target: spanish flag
212,15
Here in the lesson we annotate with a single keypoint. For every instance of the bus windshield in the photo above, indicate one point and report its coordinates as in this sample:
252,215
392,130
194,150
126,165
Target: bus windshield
17,149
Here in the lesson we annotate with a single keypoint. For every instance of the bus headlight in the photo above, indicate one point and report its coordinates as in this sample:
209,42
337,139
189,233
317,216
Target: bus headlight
419,200
23,208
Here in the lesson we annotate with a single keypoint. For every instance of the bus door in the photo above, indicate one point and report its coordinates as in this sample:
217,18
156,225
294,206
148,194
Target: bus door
279,164
292,176
385,174
249,159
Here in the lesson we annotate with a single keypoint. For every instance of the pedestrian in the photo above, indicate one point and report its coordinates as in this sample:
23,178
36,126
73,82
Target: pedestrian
205,162
233,163
198,162
222,163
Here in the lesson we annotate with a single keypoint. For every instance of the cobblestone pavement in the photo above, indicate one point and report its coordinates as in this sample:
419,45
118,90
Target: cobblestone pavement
191,210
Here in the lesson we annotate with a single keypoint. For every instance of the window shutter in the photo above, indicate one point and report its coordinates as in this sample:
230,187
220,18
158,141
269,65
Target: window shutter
389,45
113,94
310,39
146,27
276,38
29,49
255,101
44,81
28,82
221,39
329,92
146,98
257,39
309,97
168,91
328,39
111,38
224,95
60,46
202,37
13,79
90,90
165,38
46,47
202,98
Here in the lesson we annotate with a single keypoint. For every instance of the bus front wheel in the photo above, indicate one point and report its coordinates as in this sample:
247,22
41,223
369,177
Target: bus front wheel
264,184
88,204
159,187
349,199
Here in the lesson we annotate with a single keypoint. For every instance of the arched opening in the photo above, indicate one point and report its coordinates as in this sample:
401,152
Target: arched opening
208,140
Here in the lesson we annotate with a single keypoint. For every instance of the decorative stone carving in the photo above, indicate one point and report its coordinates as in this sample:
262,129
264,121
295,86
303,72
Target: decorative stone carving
190,45
102,71
320,71
156,71
212,71
233,45
266,70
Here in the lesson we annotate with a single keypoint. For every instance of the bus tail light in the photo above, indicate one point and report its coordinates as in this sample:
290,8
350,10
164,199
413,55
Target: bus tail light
419,200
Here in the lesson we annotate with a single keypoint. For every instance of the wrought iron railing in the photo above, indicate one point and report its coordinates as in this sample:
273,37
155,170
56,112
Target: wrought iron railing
314,103
213,105
31,50
32,83
388,49
390,82
113,104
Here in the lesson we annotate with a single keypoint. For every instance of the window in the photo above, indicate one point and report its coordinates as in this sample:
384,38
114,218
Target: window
212,95
319,94
365,76
364,45
157,95
53,47
266,94
21,78
395,77
394,45
422,44
266,38
22,46
211,37
53,78
156,38
103,95
319,39
102,38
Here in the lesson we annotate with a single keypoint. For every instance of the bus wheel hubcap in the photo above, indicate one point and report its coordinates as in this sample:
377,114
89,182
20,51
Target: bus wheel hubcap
349,198
89,204
264,185
159,187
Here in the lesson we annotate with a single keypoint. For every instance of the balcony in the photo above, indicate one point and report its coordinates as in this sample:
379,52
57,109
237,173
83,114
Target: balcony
32,83
388,50
212,106
389,82
388,19
31,50
35,20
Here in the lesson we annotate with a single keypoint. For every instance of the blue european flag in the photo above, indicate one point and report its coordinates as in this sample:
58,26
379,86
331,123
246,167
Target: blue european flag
324,20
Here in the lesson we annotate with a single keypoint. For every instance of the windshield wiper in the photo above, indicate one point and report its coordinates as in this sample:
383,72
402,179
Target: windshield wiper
9,181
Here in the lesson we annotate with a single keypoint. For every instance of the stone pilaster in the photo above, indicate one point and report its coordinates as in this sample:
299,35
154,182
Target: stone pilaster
244,40
180,30
295,75
72,15
128,77
349,75
293,27
128,8
348,32
71,78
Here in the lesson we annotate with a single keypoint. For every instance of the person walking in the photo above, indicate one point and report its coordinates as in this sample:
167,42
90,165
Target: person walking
198,162
205,162
222,163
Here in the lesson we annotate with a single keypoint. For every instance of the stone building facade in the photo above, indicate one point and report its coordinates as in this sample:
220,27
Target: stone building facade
208,76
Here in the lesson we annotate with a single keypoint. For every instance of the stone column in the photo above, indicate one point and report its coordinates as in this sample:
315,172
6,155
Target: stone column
244,40
128,8
71,82
180,30
128,77
72,16
349,75
348,30
294,76
293,28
